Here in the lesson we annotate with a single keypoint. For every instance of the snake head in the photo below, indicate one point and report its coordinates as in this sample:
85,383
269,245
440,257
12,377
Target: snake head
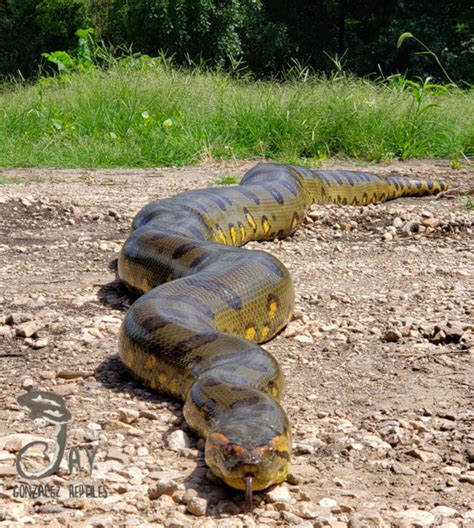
239,450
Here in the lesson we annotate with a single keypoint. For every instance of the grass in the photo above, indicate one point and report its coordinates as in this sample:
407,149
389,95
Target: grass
226,180
11,180
141,113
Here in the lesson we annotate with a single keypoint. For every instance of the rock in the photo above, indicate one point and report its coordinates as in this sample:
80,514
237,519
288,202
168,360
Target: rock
413,517
197,506
470,453
467,478
306,510
27,329
375,442
178,520
279,493
39,343
424,456
431,222
401,469
115,454
230,523
392,335
162,487
293,328
444,511
397,222
18,318
100,521
328,503
178,440
189,494
128,416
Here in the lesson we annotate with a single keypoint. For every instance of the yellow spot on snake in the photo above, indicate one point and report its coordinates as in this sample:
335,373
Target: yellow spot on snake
233,234
162,378
272,309
274,392
150,363
221,235
250,332
265,225
243,234
250,219
294,223
169,277
265,331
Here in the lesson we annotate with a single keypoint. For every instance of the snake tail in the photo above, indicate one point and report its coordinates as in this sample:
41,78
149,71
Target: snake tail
207,304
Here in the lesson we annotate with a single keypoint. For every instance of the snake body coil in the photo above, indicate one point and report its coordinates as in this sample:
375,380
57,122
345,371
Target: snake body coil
207,303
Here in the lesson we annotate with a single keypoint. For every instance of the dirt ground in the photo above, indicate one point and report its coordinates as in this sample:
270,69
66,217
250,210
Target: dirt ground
378,360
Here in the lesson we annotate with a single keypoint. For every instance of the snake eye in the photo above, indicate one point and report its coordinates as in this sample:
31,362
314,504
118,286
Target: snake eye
228,450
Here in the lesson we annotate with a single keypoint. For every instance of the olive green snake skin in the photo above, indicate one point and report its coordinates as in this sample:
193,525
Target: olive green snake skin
206,304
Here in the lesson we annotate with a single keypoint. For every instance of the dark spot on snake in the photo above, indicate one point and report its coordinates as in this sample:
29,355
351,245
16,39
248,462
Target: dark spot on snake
349,177
244,402
200,258
212,197
323,178
196,232
196,341
247,193
276,194
365,198
288,186
155,322
194,302
418,184
344,201
430,184
211,284
337,178
183,249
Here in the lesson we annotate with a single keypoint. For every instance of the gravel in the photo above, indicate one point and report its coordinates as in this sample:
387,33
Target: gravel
378,360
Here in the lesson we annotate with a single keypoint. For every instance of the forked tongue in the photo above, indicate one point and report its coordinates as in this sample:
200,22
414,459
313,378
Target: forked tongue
248,494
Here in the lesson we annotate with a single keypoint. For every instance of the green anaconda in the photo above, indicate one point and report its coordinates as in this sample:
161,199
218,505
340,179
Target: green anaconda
207,302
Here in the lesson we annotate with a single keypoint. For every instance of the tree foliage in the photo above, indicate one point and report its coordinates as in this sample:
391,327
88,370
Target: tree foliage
267,35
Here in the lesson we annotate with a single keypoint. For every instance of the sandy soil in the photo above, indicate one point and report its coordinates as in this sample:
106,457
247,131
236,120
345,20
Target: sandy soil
378,360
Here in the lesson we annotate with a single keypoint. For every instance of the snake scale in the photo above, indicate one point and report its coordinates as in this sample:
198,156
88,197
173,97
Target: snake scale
206,303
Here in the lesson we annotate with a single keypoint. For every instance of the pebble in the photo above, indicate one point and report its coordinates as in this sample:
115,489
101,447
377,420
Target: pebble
413,517
444,511
392,335
162,487
27,329
178,440
425,456
128,416
197,506
280,493
328,503
306,510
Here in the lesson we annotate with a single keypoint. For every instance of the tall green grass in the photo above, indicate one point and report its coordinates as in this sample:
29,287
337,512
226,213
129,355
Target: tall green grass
146,113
